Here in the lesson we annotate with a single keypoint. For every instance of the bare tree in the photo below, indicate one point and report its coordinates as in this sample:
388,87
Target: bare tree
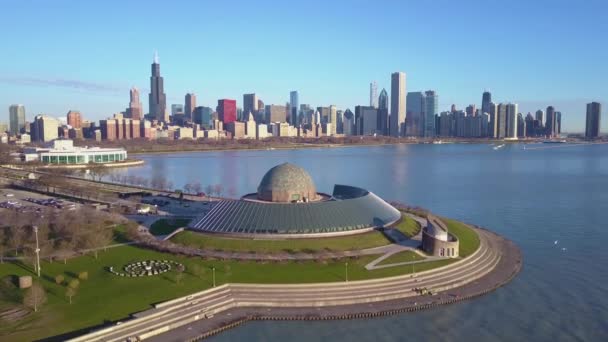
197,188
35,296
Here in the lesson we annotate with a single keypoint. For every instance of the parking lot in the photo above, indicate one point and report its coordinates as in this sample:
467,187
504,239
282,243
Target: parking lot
30,202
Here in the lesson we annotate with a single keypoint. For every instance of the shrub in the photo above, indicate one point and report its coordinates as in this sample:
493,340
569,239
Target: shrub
74,283
83,275
59,279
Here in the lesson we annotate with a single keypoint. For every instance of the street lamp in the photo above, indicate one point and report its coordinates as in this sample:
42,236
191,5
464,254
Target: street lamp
346,270
213,270
37,251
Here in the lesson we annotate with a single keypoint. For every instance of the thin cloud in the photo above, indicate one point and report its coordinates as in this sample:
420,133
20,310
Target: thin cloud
92,87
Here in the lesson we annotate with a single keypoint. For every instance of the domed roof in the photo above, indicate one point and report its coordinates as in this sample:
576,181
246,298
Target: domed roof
286,183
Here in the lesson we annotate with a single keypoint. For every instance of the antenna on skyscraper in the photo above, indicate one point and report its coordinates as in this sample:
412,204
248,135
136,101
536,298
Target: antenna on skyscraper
155,57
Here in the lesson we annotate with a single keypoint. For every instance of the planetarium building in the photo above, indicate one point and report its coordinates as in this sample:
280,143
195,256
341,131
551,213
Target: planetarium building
288,205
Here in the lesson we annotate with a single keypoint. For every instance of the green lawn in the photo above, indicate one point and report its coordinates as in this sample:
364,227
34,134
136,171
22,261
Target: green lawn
408,226
106,297
343,243
469,241
404,256
167,226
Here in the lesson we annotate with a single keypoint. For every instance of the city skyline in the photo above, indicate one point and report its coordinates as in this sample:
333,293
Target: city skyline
84,80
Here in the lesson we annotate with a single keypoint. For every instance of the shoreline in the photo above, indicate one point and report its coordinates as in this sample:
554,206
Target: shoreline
508,267
209,312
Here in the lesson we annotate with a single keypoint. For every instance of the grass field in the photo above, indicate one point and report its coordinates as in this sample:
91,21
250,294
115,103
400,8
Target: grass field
165,226
106,297
469,241
404,256
342,243
408,226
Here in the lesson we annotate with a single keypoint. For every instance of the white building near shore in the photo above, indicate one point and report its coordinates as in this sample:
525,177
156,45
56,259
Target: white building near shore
64,152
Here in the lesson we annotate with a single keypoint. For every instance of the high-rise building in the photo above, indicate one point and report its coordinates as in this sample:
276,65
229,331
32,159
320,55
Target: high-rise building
383,112
493,120
501,118
294,105
558,115
226,110
416,105
157,97
134,111
324,112
74,119
373,94
348,123
470,110
540,117
333,119
551,123
521,126
16,119
250,103
511,124
177,109
366,120
190,104
398,104
44,128
202,116
431,109
594,113
276,113
486,99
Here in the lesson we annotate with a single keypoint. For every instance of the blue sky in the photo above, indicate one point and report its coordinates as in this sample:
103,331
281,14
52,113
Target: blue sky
61,55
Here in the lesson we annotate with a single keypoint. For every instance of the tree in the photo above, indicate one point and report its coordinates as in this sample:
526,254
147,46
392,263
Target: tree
70,292
59,279
209,190
197,188
188,188
197,270
35,296
97,171
83,275
179,274
74,283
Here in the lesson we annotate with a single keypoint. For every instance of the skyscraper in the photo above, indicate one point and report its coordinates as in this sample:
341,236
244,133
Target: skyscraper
333,113
594,113
226,110
431,109
189,105
551,123
416,105
157,97
134,111
74,119
501,118
486,99
398,104
250,104
540,117
177,108
294,105
511,122
44,128
348,123
373,94
493,122
16,118
383,112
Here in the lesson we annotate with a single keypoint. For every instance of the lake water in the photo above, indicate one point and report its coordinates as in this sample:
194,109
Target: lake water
533,196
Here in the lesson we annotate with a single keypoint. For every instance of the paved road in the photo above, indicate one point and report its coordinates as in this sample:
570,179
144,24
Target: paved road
191,310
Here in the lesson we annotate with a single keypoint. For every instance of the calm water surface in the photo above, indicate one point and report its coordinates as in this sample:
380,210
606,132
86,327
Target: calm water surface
534,197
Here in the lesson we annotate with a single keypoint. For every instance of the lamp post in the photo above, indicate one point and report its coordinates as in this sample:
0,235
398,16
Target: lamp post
37,252
346,270
213,271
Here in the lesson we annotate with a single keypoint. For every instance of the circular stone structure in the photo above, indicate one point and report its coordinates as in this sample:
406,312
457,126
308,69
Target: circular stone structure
287,183
288,206
146,268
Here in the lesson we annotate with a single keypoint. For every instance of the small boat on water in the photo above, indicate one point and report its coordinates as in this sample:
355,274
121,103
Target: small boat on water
562,141
499,147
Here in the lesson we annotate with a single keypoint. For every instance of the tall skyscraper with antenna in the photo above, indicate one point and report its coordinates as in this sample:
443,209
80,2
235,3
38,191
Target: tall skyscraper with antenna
486,99
157,97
